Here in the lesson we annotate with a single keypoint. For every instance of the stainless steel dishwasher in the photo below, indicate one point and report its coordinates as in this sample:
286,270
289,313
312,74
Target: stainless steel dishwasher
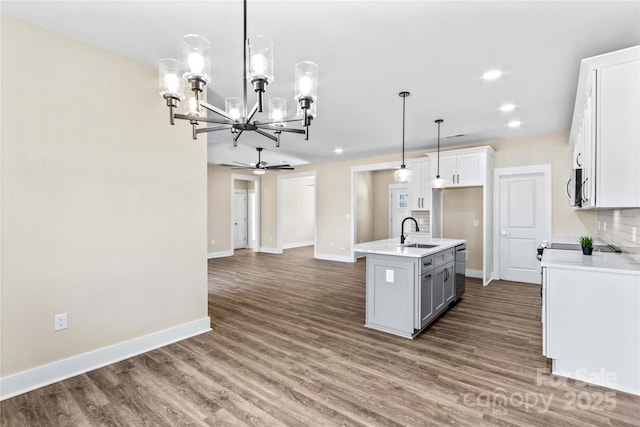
461,263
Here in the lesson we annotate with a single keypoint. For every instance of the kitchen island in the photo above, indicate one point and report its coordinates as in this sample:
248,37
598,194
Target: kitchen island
409,286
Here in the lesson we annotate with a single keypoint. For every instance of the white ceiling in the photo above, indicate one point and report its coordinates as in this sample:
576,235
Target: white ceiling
367,52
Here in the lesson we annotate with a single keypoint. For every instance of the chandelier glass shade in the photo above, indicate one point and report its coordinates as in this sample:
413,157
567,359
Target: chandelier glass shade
403,174
188,79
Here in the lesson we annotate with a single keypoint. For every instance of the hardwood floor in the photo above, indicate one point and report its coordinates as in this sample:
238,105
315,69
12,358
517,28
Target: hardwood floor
288,347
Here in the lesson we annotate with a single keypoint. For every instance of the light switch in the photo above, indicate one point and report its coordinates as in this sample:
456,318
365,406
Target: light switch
389,278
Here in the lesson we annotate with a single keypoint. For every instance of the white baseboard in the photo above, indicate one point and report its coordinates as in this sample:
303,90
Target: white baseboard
333,257
219,254
271,250
473,273
297,245
41,376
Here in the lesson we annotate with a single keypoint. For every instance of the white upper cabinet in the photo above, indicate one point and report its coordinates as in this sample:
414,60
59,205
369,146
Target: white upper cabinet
606,129
420,184
461,168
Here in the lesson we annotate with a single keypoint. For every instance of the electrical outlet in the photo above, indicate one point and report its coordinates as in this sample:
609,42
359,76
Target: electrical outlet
60,321
476,223
604,226
213,242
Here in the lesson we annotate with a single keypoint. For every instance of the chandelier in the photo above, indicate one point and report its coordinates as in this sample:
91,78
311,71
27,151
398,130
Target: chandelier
236,117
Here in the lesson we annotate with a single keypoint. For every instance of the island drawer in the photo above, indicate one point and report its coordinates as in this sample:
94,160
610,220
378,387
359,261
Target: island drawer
426,263
445,256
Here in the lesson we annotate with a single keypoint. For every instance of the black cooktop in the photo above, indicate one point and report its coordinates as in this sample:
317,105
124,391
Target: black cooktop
577,247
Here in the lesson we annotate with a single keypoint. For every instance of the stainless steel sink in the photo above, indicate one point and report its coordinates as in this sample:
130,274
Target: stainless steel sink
418,245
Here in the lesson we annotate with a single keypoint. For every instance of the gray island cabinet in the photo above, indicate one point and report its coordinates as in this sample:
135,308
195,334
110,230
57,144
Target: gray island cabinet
407,288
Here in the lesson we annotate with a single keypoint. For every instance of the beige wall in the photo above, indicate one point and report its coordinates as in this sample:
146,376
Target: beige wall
298,210
381,181
103,202
365,207
462,206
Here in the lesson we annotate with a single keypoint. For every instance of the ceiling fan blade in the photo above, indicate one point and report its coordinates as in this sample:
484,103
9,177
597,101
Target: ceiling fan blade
282,167
241,167
243,164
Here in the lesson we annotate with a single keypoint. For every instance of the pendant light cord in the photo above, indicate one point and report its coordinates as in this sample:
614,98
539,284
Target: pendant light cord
404,99
438,122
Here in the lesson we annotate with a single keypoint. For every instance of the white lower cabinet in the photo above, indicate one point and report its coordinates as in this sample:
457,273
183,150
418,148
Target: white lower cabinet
406,294
591,326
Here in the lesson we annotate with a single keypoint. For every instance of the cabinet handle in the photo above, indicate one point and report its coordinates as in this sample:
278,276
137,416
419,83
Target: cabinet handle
446,274
458,176
584,195
427,276
578,160
568,183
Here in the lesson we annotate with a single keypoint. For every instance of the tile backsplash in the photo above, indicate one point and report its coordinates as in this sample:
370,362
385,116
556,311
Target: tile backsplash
424,220
621,228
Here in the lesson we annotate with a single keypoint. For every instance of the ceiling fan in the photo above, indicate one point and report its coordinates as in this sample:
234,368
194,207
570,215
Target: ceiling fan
261,167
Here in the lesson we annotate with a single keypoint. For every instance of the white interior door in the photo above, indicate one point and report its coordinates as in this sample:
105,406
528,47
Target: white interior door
523,224
398,208
240,219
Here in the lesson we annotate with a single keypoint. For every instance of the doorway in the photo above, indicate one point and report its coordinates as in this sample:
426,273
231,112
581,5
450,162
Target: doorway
296,211
398,207
522,220
245,212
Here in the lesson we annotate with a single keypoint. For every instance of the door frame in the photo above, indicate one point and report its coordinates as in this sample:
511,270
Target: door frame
500,173
391,188
245,194
256,186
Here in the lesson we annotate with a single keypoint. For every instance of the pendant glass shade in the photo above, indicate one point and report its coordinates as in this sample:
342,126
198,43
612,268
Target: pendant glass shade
234,107
403,174
438,182
277,111
306,83
171,81
260,54
193,107
196,57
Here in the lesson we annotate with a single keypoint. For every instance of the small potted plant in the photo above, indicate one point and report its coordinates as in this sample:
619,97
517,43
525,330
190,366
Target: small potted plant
587,244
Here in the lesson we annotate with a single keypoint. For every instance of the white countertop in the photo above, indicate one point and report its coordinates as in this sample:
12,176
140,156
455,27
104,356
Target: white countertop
392,246
598,261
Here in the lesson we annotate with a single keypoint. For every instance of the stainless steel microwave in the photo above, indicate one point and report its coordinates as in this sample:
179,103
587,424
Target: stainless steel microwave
574,188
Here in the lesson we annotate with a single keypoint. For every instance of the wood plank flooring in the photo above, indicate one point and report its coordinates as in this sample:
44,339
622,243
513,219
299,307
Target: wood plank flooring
288,348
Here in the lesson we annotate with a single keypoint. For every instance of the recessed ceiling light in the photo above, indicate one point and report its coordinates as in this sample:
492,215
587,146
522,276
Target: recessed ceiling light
492,74
514,124
507,107
338,151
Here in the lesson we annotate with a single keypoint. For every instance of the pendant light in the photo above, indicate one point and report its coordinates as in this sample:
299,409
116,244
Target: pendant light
438,182
403,174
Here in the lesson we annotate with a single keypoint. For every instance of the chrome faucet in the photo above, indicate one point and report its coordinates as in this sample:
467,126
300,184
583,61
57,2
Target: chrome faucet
402,236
